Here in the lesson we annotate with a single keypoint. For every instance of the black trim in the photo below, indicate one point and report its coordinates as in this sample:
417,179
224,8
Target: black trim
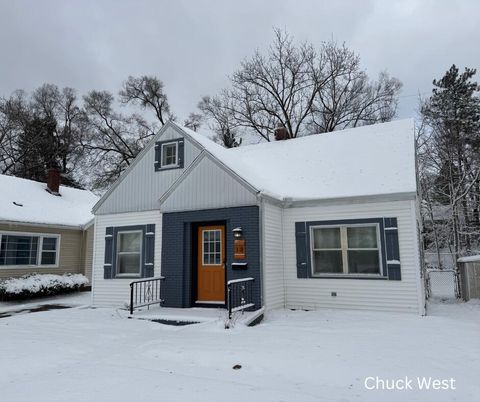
389,248
378,221
148,251
180,154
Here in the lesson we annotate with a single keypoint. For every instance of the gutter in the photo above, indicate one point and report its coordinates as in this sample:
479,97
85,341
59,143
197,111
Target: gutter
46,225
289,202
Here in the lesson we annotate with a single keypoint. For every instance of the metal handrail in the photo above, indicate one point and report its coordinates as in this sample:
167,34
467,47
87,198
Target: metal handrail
240,295
145,292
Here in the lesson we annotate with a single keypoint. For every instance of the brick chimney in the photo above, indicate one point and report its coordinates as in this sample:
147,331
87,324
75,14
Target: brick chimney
281,133
53,181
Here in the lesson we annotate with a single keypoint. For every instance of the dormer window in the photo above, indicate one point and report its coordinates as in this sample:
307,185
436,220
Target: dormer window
169,154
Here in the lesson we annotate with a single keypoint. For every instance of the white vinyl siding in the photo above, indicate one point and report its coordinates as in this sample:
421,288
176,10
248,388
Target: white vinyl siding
116,292
141,187
208,186
273,267
365,294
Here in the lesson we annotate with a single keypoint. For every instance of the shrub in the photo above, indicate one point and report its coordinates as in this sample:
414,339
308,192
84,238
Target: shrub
40,285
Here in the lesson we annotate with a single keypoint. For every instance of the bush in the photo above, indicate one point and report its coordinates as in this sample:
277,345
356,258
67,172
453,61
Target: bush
40,285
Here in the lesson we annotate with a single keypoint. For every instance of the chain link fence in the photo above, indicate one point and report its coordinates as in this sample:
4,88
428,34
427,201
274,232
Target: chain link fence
442,284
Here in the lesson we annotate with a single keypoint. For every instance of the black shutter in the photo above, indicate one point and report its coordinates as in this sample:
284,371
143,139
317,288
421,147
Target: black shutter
393,249
180,153
108,268
302,249
149,260
158,156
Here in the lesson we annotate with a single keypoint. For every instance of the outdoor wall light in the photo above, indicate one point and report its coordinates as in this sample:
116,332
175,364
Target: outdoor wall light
238,233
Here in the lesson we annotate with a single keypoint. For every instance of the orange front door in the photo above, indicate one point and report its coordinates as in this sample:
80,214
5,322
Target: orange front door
211,264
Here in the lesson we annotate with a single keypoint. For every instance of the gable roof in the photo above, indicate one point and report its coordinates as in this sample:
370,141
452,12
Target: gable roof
38,206
365,161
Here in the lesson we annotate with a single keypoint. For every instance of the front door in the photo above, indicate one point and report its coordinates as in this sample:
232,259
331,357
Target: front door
211,264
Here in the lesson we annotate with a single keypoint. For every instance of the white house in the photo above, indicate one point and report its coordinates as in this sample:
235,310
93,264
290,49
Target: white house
327,220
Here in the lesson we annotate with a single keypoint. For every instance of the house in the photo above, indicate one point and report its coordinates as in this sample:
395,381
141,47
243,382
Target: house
327,220
45,228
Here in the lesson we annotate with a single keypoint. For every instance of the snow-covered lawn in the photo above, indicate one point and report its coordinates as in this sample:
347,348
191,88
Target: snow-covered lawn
84,354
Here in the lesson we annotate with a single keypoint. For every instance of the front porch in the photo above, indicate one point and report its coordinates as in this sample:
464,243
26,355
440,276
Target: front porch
197,315
147,301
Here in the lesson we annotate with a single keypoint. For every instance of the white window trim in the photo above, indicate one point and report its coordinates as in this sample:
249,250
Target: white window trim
39,249
344,250
221,248
129,275
162,164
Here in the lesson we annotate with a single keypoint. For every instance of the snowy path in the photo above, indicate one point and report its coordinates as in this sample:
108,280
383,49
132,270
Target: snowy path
96,355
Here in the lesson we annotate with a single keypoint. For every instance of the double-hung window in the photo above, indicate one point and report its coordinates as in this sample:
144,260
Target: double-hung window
25,249
129,253
346,250
169,154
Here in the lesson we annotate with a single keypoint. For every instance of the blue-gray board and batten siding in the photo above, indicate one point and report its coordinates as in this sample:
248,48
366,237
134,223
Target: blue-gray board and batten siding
179,248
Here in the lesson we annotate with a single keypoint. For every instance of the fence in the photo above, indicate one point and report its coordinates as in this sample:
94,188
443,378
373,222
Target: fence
442,284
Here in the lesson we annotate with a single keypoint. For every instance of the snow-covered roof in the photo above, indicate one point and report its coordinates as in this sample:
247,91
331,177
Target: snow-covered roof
365,161
27,201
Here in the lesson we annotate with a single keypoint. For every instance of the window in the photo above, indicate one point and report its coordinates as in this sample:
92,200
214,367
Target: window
211,247
169,154
129,254
19,249
345,250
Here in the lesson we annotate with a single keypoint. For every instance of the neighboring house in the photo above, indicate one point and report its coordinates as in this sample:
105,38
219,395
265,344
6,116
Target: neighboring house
327,220
45,228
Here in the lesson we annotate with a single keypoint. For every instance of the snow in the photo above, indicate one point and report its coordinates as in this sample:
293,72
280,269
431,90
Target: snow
364,161
36,282
72,208
472,258
85,354
74,299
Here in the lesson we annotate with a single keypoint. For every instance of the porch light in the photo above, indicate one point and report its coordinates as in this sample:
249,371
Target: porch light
237,233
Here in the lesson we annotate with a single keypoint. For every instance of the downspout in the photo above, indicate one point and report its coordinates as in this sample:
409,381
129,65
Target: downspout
262,250
94,250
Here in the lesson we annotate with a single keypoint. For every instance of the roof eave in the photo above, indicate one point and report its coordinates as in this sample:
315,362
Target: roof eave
289,202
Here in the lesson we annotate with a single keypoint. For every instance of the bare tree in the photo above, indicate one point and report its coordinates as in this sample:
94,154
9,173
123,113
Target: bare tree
149,93
193,121
348,98
275,88
302,89
221,121
111,139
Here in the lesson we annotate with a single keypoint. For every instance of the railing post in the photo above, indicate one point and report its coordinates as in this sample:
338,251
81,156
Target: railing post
229,297
131,298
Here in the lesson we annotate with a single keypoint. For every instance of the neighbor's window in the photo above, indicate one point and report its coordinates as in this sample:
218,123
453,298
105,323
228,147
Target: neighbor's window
345,249
28,249
169,154
129,255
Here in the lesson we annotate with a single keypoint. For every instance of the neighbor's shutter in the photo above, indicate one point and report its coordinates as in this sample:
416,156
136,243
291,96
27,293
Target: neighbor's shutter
158,156
301,247
393,249
148,272
181,148
108,268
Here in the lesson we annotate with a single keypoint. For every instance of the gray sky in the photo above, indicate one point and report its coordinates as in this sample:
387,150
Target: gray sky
193,45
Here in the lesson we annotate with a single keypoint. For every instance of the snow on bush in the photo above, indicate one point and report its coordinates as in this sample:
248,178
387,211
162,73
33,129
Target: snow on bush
36,285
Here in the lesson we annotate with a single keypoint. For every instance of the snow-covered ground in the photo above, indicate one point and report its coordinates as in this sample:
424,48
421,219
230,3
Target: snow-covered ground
84,354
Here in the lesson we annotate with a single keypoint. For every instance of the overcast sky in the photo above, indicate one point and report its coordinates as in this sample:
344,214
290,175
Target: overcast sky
194,45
